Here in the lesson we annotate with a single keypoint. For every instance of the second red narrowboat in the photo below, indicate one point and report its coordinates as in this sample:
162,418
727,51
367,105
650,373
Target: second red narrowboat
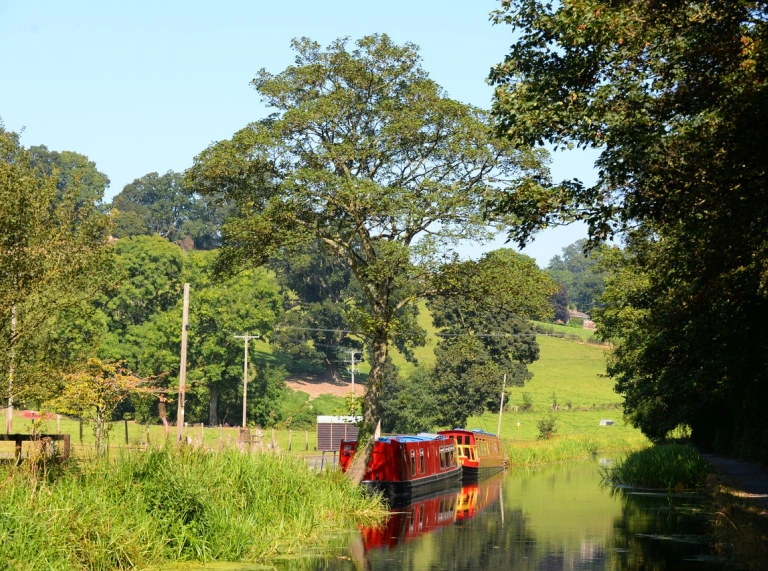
407,466
479,452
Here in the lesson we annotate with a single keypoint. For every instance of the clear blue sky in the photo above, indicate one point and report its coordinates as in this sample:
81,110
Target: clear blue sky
144,86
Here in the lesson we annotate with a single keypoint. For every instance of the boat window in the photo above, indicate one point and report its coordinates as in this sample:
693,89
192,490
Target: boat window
442,457
453,459
460,439
421,461
413,462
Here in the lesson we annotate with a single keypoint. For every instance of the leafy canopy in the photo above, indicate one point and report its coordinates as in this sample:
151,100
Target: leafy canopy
674,95
367,154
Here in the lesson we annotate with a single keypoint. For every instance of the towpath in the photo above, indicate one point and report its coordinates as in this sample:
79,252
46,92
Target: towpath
748,481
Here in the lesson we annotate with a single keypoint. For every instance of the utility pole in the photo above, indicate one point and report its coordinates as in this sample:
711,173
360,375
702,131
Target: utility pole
245,371
352,367
501,406
11,370
183,368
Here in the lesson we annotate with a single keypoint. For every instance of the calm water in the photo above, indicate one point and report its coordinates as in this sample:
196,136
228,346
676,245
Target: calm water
551,518
554,518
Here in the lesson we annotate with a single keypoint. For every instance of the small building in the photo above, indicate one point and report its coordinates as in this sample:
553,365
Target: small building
331,430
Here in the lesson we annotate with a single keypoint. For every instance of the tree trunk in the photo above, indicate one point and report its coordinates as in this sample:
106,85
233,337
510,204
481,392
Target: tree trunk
331,371
213,407
371,412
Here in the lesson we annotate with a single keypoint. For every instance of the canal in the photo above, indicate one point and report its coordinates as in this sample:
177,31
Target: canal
553,518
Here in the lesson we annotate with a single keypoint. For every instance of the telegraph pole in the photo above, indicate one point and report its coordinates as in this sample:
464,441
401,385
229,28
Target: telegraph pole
183,368
352,367
501,406
247,338
11,370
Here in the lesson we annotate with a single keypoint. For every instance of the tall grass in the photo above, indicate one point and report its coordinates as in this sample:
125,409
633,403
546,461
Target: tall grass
567,448
668,466
149,508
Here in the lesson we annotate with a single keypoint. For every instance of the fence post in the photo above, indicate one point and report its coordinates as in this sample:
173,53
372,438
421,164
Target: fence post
290,433
81,431
306,440
125,423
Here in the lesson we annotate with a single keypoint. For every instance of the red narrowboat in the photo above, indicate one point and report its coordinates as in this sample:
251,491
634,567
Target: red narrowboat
407,466
479,452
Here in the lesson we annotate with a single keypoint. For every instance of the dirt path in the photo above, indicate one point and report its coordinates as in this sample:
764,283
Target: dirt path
315,387
749,481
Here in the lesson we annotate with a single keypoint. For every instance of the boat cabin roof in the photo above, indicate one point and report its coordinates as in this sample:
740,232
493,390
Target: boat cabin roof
424,437
474,432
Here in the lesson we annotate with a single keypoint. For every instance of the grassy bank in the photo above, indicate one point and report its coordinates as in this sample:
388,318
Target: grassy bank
667,466
163,505
568,448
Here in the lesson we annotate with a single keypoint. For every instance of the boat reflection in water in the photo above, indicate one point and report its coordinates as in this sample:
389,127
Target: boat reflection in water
428,514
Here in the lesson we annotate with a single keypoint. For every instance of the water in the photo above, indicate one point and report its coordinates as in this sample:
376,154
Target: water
553,518
545,519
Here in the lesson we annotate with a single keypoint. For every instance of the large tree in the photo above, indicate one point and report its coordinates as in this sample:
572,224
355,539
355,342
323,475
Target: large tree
674,95
481,344
367,154
53,249
578,270
161,204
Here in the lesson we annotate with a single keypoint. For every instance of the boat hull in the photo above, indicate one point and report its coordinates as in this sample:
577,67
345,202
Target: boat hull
403,491
475,474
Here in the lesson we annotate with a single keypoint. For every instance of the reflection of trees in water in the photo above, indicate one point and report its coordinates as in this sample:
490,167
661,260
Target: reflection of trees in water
659,533
486,543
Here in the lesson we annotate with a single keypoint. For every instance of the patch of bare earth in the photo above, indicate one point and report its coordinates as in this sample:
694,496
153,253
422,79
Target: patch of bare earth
316,386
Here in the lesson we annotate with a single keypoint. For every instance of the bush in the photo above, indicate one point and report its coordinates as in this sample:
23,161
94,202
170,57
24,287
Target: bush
527,404
546,427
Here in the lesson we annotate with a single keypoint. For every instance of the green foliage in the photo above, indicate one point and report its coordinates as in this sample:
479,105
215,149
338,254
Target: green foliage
266,393
409,404
367,154
581,275
674,94
668,466
160,204
482,340
148,280
72,172
527,402
94,392
54,256
314,326
148,509
546,427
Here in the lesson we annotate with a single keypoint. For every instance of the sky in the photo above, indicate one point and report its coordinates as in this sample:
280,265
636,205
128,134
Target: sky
144,86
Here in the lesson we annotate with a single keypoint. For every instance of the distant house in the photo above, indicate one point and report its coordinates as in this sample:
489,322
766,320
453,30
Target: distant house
586,322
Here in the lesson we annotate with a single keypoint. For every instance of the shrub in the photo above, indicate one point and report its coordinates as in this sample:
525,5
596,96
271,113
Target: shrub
527,404
546,427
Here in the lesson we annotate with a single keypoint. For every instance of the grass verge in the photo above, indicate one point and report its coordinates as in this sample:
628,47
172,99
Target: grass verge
163,505
567,448
667,466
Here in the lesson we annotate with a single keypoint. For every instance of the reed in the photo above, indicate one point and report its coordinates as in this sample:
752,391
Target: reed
667,466
146,509
567,448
